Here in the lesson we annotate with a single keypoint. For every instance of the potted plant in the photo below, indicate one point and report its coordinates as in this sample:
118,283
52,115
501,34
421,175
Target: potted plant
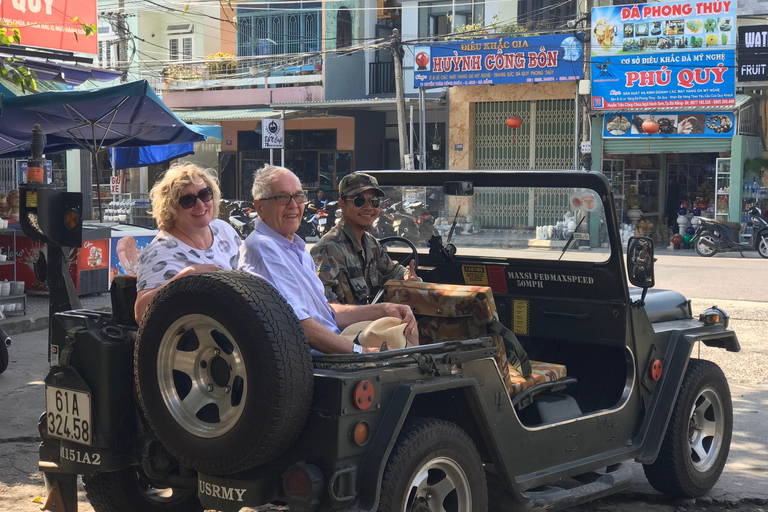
436,140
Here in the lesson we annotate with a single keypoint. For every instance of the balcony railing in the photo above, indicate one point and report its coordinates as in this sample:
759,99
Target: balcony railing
381,78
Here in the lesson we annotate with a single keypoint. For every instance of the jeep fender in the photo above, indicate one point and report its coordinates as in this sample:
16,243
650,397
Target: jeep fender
662,403
392,423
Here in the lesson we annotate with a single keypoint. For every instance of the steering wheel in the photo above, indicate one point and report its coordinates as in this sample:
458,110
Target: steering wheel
414,253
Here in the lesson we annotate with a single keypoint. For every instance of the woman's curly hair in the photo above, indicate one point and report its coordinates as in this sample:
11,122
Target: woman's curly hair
165,193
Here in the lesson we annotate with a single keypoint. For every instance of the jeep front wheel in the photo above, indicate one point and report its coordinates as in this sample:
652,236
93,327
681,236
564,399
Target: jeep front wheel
129,490
434,466
698,437
223,371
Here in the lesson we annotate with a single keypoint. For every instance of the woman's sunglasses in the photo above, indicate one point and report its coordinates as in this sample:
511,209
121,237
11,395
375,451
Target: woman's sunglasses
190,200
359,201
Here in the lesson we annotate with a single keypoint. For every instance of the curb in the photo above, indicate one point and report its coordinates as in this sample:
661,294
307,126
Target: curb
23,325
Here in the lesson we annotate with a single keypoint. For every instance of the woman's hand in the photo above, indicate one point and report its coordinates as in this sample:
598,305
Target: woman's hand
198,269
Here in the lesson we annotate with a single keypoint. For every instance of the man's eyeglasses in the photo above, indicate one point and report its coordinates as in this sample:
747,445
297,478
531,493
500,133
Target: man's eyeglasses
190,200
284,199
359,201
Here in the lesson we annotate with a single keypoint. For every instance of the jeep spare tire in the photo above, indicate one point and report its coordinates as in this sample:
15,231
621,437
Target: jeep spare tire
223,371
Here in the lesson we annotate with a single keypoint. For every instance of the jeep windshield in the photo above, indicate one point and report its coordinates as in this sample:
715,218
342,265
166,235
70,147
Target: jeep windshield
500,221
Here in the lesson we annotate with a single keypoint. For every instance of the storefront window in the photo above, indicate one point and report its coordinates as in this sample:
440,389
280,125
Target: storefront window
434,17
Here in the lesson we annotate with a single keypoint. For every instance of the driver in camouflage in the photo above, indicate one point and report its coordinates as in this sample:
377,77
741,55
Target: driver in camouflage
350,261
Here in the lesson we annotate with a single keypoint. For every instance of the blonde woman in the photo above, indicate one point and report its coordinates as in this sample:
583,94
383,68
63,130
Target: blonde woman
192,239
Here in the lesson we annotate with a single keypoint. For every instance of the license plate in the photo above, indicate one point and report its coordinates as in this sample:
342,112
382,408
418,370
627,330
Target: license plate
322,222
69,415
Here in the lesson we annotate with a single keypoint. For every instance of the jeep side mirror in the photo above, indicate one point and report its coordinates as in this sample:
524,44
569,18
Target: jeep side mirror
640,262
458,188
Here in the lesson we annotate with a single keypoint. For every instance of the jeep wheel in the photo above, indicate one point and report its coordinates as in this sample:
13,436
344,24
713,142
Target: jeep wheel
434,466
4,357
705,250
698,437
129,490
223,371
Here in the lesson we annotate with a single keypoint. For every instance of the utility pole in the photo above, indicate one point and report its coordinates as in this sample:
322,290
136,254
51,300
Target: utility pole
122,45
397,53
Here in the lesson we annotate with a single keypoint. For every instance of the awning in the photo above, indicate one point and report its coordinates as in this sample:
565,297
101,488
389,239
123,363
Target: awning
741,101
66,73
233,114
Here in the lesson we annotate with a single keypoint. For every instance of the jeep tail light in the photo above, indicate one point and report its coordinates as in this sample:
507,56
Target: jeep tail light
303,484
361,432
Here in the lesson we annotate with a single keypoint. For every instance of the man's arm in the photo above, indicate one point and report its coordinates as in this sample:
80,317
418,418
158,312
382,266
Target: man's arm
327,259
325,341
347,315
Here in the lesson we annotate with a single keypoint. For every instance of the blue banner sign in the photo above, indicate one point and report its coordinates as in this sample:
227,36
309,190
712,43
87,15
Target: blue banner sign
508,60
674,54
671,124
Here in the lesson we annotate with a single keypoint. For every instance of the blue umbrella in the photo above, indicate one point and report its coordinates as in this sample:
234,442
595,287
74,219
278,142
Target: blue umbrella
126,115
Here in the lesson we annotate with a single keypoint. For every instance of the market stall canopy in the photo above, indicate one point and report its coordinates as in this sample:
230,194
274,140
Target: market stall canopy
126,115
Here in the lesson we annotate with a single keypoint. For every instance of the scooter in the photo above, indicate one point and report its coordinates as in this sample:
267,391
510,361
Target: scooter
308,229
713,236
327,217
241,217
383,226
414,223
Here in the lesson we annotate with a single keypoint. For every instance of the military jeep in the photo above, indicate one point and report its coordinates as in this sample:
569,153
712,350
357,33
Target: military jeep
540,374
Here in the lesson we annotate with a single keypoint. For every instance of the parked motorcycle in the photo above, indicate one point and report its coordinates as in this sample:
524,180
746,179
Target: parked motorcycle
383,226
413,222
327,217
241,216
309,227
713,236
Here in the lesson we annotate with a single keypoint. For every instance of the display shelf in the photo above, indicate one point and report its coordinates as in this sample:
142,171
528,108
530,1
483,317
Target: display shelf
22,298
722,187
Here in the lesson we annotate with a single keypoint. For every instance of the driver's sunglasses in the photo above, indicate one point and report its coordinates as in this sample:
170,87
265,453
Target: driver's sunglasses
189,200
359,201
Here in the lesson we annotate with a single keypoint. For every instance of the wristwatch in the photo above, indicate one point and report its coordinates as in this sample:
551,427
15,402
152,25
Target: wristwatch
357,349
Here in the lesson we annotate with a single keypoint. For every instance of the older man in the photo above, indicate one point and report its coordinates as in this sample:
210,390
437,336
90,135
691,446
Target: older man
350,261
274,252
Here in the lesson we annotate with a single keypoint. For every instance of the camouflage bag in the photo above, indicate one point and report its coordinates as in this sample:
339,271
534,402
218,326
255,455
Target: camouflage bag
454,312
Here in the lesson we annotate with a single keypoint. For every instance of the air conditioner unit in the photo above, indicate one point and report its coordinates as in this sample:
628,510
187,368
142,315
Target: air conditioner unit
180,28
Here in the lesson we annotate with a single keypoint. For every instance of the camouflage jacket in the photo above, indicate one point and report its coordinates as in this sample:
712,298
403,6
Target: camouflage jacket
350,270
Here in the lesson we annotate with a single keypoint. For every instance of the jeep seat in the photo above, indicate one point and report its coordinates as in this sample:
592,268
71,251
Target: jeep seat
446,312
123,294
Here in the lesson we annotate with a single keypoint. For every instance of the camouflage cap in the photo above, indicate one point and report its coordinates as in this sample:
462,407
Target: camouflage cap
357,182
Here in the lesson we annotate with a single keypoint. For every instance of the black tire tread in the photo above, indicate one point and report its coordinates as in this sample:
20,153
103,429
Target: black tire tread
116,491
670,473
426,431
4,357
250,299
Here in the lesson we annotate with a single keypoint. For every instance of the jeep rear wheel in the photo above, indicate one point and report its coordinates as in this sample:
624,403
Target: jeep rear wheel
129,490
223,371
434,466
698,437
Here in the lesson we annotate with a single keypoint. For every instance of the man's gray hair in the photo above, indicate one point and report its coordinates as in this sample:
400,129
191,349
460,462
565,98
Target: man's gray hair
263,178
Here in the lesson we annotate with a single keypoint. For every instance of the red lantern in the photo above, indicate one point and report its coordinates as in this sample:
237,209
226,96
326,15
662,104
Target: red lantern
514,122
650,127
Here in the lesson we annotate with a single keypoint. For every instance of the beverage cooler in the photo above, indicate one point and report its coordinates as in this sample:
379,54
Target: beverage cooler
107,250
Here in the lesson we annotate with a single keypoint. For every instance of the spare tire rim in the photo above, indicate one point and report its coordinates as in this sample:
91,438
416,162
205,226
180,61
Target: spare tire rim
201,374
706,429
439,485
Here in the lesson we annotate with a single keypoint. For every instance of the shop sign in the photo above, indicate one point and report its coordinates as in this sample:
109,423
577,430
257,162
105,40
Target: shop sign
52,25
671,124
753,53
673,54
506,60
272,133
114,184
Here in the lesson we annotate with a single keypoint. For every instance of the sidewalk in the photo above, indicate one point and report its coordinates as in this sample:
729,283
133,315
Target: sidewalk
36,317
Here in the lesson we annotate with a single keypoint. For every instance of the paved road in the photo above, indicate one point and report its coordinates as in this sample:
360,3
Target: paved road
728,281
